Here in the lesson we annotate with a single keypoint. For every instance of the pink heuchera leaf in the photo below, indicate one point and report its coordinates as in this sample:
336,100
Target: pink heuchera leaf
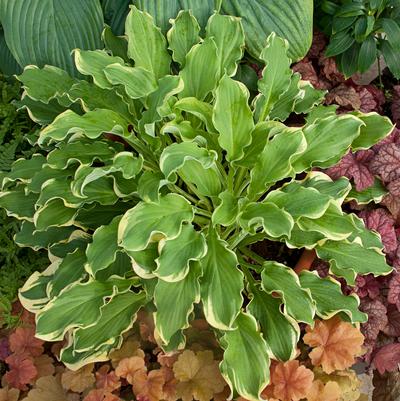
382,222
22,371
394,137
307,71
345,96
377,318
394,187
354,166
386,162
395,107
330,70
367,286
387,358
23,341
393,327
394,291
392,202
368,102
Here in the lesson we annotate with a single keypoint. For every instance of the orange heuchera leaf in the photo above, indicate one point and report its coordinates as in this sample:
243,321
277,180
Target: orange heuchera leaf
101,395
9,394
44,365
129,348
106,380
79,380
291,381
327,392
169,388
198,376
128,367
47,389
23,341
335,343
22,371
146,326
149,386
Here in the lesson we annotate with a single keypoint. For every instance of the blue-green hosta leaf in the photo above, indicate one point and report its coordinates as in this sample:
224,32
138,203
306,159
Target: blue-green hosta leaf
311,98
227,211
154,220
77,307
300,201
375,129
227,32
347,259
328,139
193,164
275,161
248,374
8,64
93,63
267,310
19,204
47,83
276,75
173,264
297,301
83,152
221,280
137,81
92,124
329,299
147,46
183,35
157,101
276,222
200,74
117,316
69,271
54,213
375,193
51,30
232,117
101,252
175,302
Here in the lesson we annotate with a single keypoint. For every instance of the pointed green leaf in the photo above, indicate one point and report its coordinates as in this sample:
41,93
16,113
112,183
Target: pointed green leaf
297,301
233,117
174,302
221,279
281,333
173,264
227,32
183,35
248,374
147,221
147,46
329,299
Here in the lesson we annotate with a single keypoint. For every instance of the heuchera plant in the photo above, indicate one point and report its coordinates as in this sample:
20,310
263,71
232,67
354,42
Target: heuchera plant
161,177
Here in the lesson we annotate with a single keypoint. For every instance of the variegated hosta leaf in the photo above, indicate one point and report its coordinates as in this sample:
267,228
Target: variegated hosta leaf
19,204
275,161
227,32
276,75
194,164
232,117
175,301
54,213
150,221
329,299
310,99
79,306
146,44
283,280
221,280
375,194
227,211
347,259
246,363
267,310
183,35
173,264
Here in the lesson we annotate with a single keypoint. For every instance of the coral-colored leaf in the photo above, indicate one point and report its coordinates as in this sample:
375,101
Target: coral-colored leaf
47,389
149,385
291,381
22,371
335,343
330,70
106,380
23,341
394,291
377,318
129,348
387,358
101,395
327,392
9,394
79,380
129,366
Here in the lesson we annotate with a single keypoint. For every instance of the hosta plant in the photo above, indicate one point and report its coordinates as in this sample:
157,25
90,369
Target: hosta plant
162,173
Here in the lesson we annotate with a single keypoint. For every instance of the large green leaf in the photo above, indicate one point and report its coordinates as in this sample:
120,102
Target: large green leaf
8,64
115,12
246,363
290,19
43,32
